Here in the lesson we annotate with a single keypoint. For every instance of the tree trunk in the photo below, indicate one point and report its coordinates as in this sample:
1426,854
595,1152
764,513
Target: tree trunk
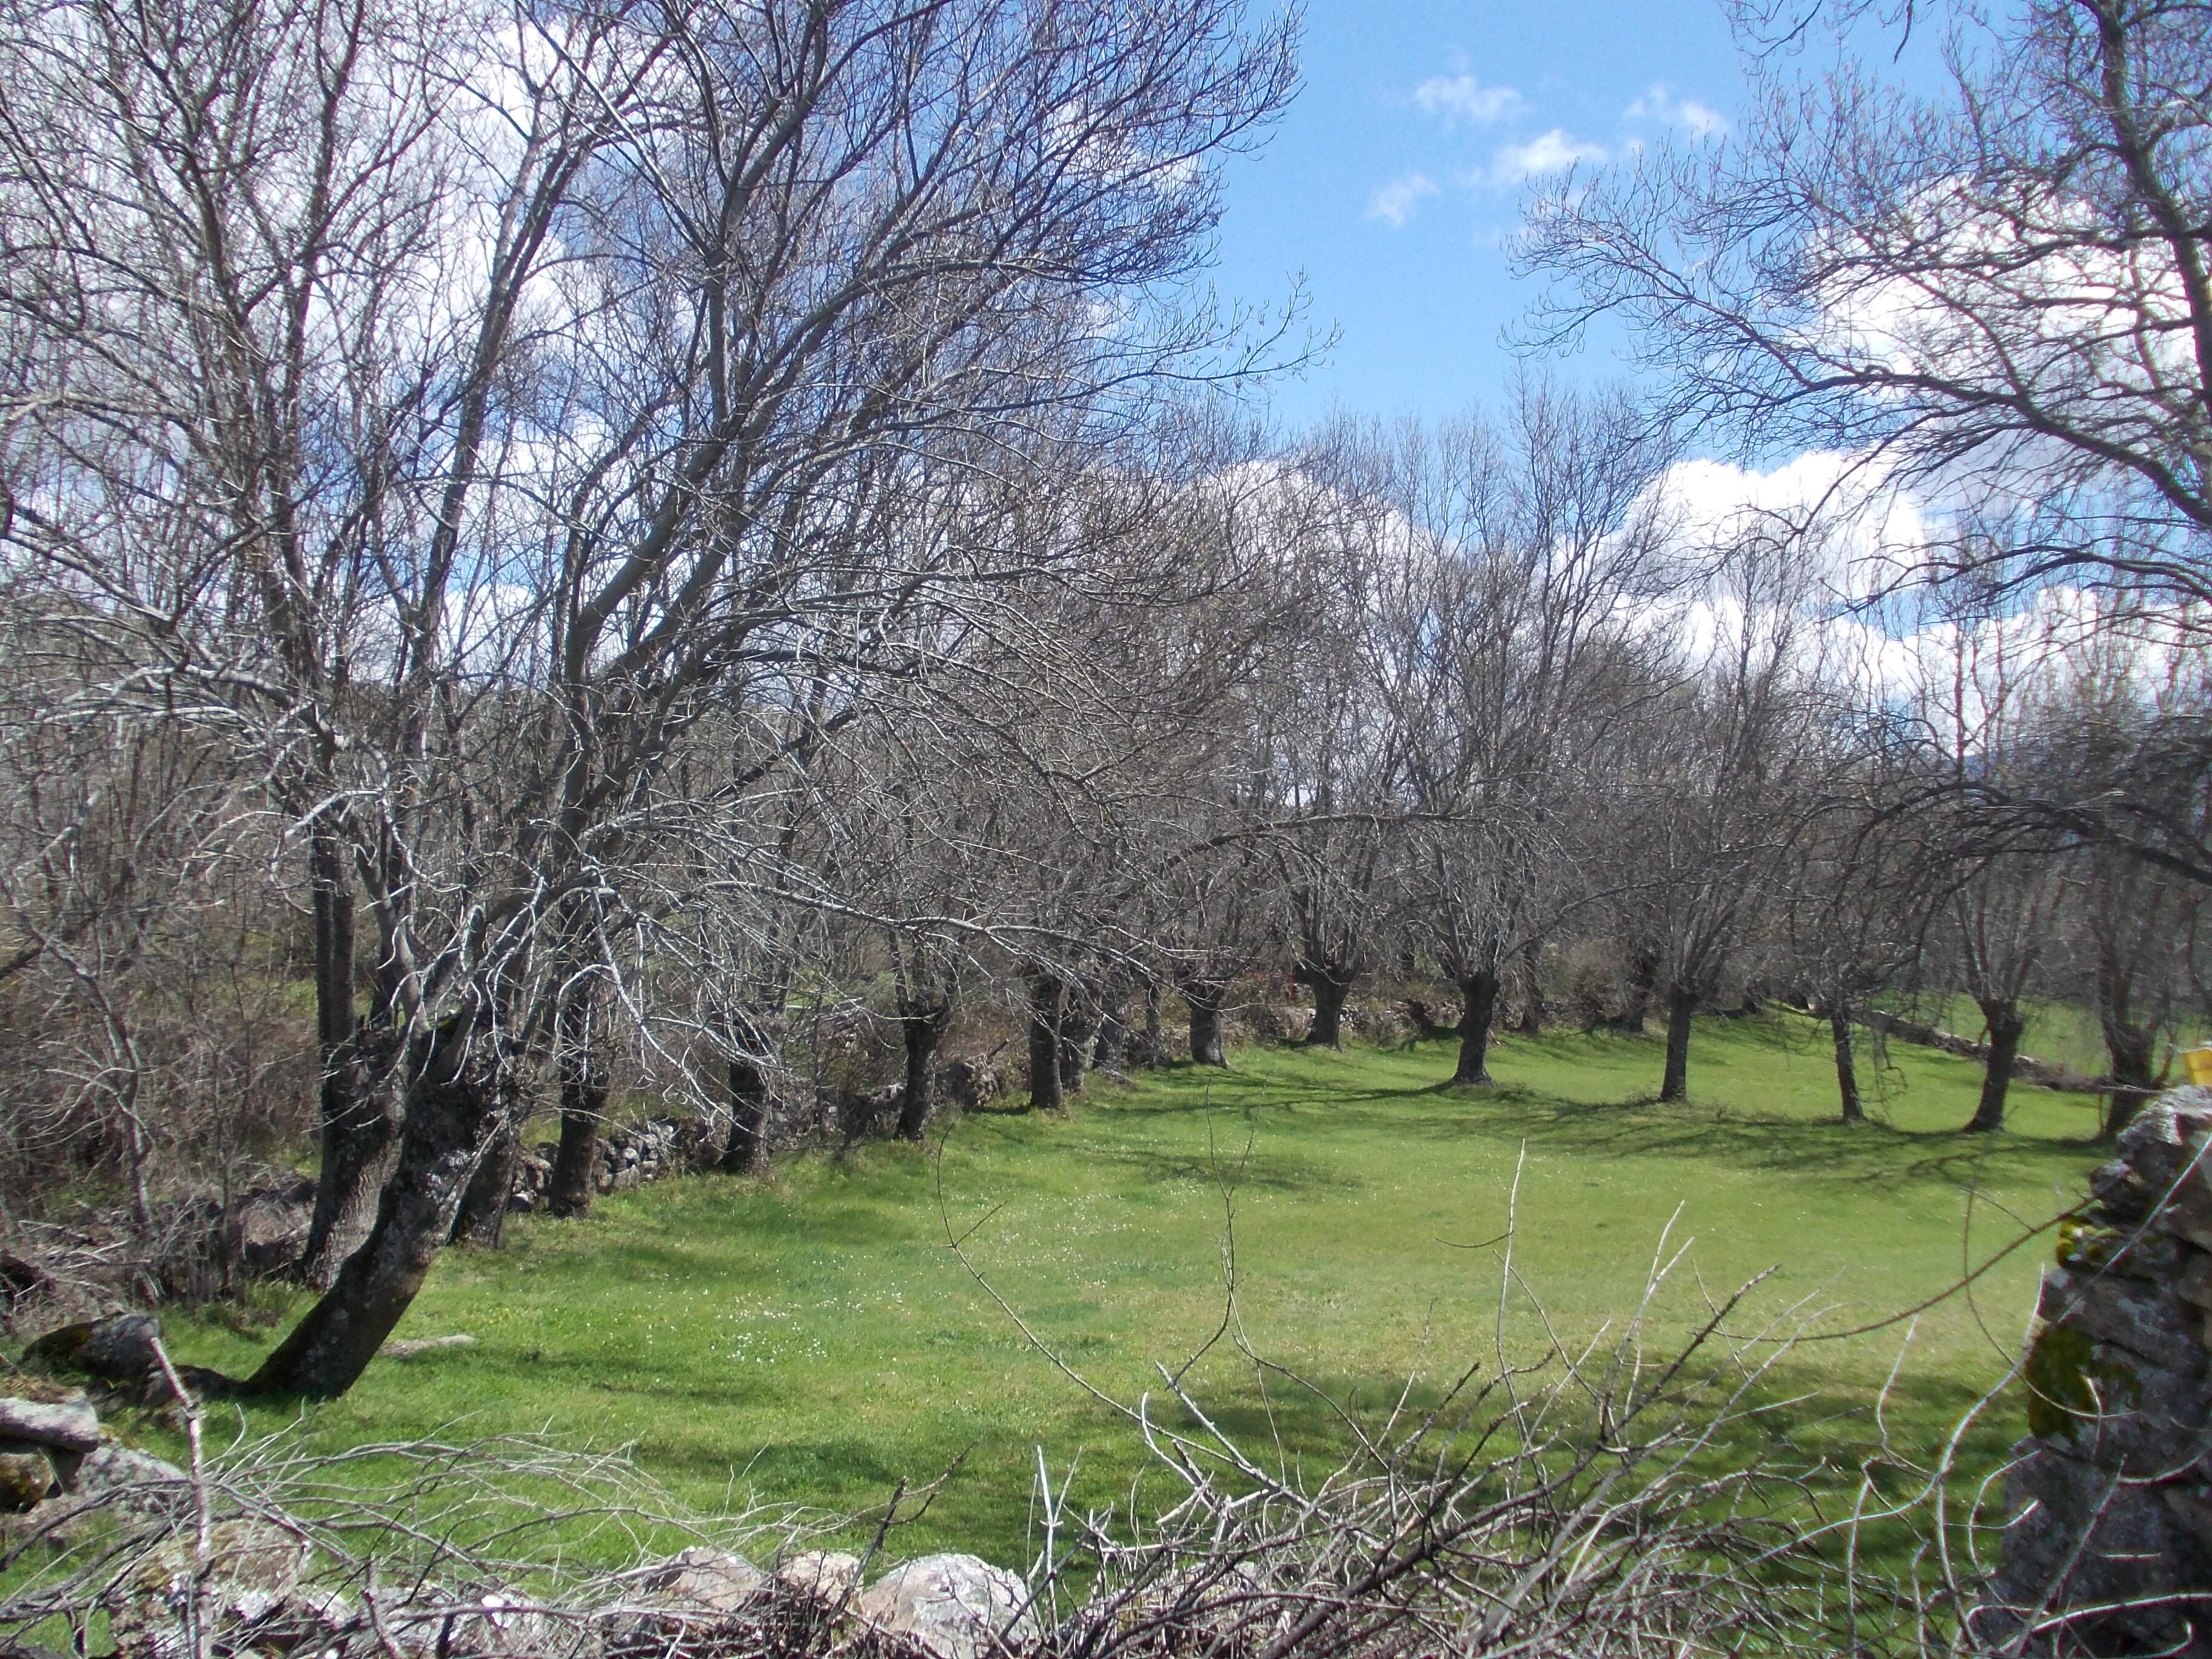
1635,994
2005,1024
1681,1004
742,1151
922,1027
1077,1027
481,1221
454,1109
1477,1001
1111,1052
360,1117
2133,1075
584,1083
1047,1009
1156,1042
1205,998
1847,1071
1330,983
1531,983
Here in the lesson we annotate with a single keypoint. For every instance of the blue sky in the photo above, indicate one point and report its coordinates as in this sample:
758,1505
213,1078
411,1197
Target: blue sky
1401,169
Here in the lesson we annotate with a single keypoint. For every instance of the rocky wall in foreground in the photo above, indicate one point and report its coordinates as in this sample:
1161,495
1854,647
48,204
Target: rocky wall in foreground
2108,1536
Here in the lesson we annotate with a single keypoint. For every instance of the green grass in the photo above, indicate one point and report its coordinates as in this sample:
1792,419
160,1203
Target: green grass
2058,1033
809,1337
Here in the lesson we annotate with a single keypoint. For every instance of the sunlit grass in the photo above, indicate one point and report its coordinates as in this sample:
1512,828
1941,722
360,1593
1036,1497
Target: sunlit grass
809,1337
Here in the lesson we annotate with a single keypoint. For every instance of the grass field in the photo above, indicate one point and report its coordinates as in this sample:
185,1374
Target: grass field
808,1337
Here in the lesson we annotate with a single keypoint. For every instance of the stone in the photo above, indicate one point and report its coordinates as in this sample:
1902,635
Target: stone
2193,1284
254,1568
117,1349
957,1607
27,1478
829,1576
711,1580
73,1426
112,1469
2128,1313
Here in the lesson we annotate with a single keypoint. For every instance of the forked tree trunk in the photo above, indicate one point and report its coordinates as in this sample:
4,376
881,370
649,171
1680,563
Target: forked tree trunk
454,1111
1205,998
1643,980
360,1117
1477,1001
2005,1024
1682,1004
1331,983
743,1153
1847,1071
584,1087
922,1028
1047,994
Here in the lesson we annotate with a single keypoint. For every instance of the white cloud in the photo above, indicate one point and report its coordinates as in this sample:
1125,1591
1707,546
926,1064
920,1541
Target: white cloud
1550,152
1700,121
1462,98
1396,203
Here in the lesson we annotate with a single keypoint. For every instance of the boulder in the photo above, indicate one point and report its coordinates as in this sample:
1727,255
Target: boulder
119,1348
828,1576
957,1607
25,1477
705,1579
71,1424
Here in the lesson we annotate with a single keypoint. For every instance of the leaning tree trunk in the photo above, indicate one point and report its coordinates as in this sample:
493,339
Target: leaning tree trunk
1635,994
2005,1024
1847,1071
921,1027
1477,1001
584,1089
1331,983
1681,1004
1206,999
1047,994
360,1117
454,1109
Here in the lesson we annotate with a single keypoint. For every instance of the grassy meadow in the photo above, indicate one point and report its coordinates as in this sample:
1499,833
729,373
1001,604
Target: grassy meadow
809,1337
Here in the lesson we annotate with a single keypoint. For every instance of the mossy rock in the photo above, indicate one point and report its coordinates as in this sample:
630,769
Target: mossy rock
2070,1385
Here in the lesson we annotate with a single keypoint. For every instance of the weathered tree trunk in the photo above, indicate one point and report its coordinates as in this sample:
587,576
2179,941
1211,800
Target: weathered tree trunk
584,1084
1331,983
1206,999
1636,994
921,1027
1077,1027
481,1221
2005,1024
1156,1042
454,1109
1847,1071
1682,1004
742,1153
360,1117
1477,1001
1047,1009
1532,991
2134,1079
1111,1051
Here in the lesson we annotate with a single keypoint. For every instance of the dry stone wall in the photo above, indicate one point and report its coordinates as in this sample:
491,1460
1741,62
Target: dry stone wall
2108,1539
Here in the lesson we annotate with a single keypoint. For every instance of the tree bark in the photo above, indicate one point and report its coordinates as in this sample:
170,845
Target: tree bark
1847,1071
1477,1001
1532,981
742,1153
1331,983
1076,1030
921,1026
360,1119
584,1085
1111,1052
1205,998
2132,1050
2005,1024
1156,1042
454,1109
1682,1004
481,1221
1635,994
1047,1009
